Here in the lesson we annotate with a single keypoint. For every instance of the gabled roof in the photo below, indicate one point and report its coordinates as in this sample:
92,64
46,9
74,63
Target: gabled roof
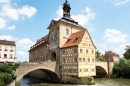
6,42
74,39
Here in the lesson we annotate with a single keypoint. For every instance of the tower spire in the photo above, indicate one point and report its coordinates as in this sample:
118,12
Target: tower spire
66,9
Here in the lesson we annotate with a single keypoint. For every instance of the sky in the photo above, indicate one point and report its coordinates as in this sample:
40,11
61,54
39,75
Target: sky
26,21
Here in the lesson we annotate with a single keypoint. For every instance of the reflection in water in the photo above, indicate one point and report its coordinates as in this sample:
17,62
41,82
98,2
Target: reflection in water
28,81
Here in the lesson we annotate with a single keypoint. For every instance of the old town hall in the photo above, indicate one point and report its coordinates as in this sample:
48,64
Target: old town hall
67,43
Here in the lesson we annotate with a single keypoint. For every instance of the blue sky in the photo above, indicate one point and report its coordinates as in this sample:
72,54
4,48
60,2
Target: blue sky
25,21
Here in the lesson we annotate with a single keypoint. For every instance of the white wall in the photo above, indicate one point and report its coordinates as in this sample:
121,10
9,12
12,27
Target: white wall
8,52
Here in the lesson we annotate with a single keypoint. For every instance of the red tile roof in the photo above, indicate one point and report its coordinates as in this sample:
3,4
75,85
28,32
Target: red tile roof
41,40
6,42
74,39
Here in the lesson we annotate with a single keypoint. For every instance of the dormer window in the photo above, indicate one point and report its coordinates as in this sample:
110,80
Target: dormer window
76,38
68,40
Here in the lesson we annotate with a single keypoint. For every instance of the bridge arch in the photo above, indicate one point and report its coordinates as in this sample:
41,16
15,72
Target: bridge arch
25,69
101,72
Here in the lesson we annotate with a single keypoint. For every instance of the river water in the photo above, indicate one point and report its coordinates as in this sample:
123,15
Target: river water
28,81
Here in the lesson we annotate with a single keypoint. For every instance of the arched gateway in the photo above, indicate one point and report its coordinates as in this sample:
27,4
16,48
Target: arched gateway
53,56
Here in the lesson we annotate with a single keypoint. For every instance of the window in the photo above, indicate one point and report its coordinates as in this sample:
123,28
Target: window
85,70
5,55
75,71
5,48
11,56
83,59
92,51
80,59
67,31
86,51
84,44
75,50
80,70
92,70
93,59
81,50
75,59
11,49
0,55
63,52
88,59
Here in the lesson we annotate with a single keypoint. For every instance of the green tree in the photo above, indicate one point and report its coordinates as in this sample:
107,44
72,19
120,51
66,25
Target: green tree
127,53
98,56
122,69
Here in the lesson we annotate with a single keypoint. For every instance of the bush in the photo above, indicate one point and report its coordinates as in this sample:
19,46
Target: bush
6,73
17,84
122,69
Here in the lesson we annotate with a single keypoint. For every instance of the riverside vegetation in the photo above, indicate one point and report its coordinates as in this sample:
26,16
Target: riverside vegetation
122,69
7,73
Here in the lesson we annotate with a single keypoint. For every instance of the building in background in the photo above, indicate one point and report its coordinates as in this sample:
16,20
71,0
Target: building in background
69,44
111,56
7,51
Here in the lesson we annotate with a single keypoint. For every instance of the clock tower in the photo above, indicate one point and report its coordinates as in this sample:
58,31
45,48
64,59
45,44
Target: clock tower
66,9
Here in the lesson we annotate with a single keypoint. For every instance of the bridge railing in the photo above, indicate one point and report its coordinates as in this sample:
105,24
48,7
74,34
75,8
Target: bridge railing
37,63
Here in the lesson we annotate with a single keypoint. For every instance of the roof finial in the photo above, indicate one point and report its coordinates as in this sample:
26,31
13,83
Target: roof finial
66,0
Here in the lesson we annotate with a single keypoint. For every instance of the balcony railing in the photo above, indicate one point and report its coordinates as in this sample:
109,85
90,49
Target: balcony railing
11,50
6,50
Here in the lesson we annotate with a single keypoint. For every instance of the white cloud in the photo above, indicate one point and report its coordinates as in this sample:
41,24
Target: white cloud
85,16
7,37
120,2
115,36
11,27
11,12
23,46
27,11
21,53
2,23
4,1
59,13
25,43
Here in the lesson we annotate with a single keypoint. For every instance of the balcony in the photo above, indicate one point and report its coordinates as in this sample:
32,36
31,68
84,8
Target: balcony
11,50
5,57
6,50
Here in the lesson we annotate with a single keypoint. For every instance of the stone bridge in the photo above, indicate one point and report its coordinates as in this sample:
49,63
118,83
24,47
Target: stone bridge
50,68
104,68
